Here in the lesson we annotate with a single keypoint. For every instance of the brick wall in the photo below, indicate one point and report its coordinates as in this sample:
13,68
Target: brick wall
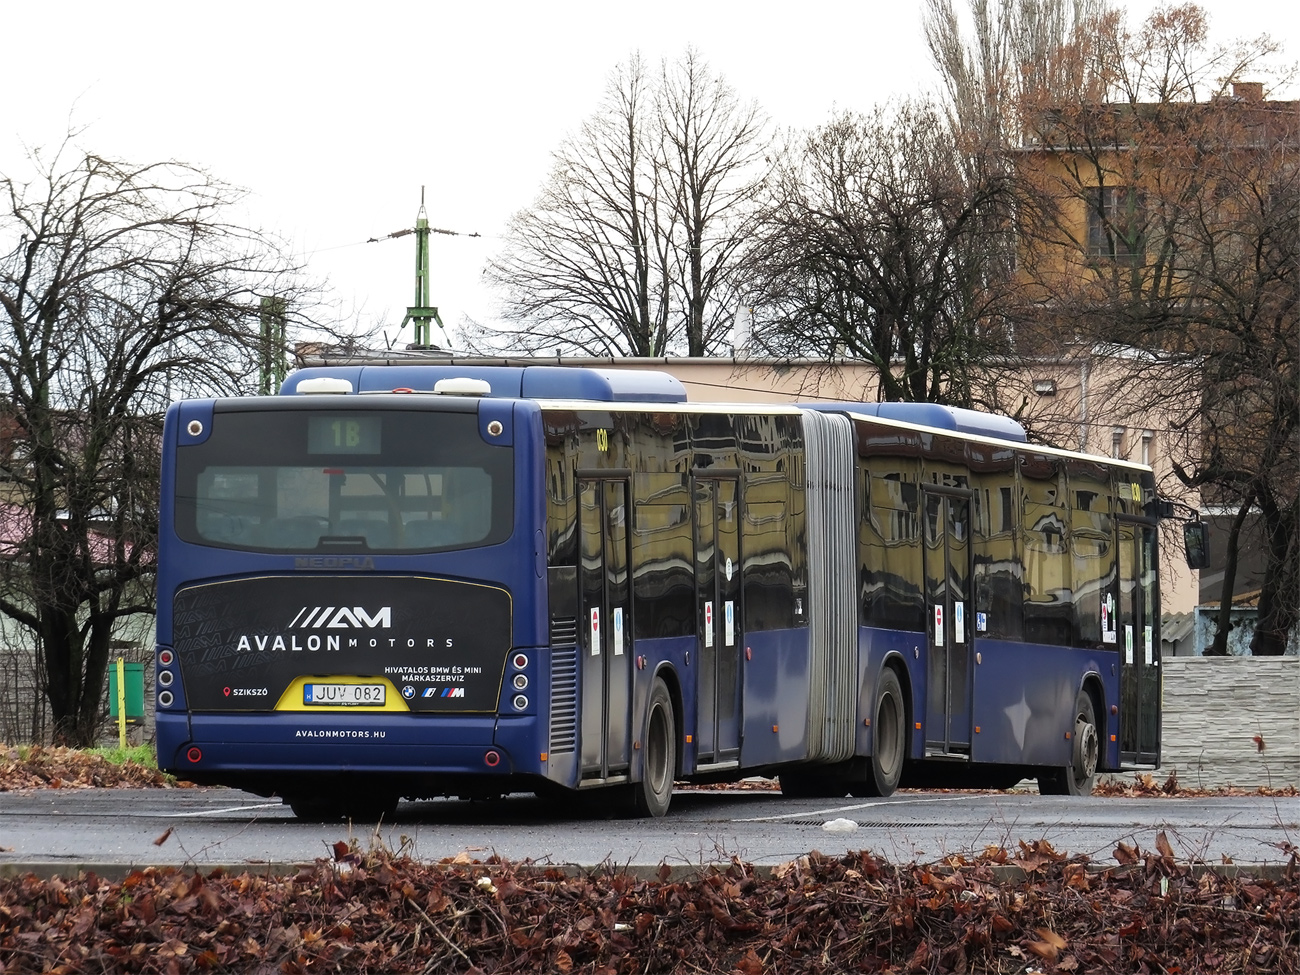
1214,707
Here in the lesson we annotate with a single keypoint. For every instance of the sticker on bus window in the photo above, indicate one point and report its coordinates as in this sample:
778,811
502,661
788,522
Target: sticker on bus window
708,624
618,631
959,622
1149,650
938,626
595,631
729,568
981,622
730,621
1128,643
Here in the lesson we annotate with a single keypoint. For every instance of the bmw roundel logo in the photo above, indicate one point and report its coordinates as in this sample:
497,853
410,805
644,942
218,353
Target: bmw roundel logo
408,692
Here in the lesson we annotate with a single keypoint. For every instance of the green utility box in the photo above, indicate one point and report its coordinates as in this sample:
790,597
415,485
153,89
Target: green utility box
133,681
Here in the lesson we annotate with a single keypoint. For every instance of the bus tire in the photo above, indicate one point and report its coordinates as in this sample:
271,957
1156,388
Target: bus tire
311,809
652,795
375,808
888,740
1077,778
814,782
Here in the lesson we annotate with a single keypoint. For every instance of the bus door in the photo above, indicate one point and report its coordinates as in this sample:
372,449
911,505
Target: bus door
605,625
1139,645
717,589
947,597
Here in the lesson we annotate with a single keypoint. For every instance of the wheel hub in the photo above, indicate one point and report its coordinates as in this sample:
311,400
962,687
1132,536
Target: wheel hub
1085,750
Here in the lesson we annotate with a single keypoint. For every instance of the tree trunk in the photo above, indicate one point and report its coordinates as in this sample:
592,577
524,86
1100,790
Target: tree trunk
1219,648
1278,609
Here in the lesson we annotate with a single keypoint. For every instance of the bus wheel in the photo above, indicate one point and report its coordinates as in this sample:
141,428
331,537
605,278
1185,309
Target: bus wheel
1077,778
889,740
371,808
651,796
815,782
313,810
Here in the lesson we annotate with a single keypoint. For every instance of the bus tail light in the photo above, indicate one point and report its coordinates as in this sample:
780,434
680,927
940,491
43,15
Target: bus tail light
492,759
520,681
165,657
165,699
520,702
165,678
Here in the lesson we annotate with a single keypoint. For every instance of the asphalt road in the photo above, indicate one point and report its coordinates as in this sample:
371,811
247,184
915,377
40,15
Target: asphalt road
100,829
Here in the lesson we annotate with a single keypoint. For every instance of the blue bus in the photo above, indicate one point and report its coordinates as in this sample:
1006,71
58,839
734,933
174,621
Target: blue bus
448,580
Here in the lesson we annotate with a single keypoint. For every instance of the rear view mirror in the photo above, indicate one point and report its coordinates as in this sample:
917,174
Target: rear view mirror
1196,544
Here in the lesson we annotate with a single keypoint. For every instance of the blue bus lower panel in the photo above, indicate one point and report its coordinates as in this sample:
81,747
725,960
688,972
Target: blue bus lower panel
1021,697
776,695
1024,696
242,748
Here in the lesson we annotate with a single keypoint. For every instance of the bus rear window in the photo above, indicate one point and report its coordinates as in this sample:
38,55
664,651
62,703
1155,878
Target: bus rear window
339,482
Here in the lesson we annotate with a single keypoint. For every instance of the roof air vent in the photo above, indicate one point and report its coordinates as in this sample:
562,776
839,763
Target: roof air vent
324,384
463,386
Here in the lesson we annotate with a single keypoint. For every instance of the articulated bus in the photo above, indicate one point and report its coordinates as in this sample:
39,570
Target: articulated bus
419,581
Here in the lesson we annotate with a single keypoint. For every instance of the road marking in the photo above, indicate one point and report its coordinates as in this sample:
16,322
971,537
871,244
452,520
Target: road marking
219,812
895,803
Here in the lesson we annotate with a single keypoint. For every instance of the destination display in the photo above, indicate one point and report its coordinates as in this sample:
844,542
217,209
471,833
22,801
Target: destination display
440,644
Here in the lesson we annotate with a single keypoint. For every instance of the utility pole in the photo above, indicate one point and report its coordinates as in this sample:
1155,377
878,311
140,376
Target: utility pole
422,314
271,369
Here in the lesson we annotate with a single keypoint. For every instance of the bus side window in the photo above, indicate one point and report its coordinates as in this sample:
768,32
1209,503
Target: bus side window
891,549
663,586
999,574
1049,604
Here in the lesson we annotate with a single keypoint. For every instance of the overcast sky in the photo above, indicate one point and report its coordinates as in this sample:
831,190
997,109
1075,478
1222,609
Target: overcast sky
334,116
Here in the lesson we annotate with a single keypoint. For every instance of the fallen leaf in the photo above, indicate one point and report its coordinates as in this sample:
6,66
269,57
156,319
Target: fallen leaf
1051,937
167,834
1044,950
1163,845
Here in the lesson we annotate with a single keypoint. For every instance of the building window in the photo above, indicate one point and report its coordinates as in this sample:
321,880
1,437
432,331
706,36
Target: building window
1148,446
1117,442
1115,223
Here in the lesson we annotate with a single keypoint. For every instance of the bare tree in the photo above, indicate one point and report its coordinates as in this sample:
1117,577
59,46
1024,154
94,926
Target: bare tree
121,286
992,59
713,147
1164,223
630,248
879,244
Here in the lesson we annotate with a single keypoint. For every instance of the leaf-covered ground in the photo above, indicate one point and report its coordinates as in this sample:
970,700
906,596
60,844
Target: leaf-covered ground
38,767
376,912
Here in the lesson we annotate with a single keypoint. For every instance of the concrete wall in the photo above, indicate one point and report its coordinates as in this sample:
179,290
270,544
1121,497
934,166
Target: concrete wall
1214,707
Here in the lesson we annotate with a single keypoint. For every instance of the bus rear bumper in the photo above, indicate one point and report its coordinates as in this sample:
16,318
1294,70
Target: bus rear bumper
252,751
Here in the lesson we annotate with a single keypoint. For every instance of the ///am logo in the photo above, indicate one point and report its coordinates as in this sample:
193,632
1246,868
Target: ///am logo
342,618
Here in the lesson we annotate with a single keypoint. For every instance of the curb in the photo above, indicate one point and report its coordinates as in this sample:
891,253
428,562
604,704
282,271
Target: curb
1006,874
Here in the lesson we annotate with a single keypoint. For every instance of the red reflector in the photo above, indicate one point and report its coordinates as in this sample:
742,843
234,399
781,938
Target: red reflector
403,389
333,470
194,755
492,759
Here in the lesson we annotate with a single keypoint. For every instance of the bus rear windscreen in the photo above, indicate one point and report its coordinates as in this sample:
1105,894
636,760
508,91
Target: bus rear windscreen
340,482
